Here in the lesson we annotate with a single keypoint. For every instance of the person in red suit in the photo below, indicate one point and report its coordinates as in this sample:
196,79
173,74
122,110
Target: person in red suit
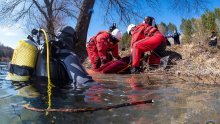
102,47
146,37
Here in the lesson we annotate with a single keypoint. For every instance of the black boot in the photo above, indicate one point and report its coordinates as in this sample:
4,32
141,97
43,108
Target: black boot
135,70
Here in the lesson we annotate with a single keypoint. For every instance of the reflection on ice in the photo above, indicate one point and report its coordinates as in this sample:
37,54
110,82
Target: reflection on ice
176,100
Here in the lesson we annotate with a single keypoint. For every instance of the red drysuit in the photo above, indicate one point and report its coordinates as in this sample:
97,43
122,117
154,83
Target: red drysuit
100,49
145,38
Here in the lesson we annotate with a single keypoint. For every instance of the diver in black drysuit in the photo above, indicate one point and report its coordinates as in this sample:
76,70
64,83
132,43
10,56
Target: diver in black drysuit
64,64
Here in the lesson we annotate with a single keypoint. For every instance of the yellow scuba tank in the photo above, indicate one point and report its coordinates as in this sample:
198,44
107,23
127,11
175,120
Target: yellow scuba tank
23,61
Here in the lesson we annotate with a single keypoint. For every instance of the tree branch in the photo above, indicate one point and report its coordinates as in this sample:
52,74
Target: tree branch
41,10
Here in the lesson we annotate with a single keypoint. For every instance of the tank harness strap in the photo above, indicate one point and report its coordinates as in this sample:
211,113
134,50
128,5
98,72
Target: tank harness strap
20,70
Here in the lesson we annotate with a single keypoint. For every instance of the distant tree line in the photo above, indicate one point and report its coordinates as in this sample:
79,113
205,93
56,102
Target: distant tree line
5,53
167,29
201,27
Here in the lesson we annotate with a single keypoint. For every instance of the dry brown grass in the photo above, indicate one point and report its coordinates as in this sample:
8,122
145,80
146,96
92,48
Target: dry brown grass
198,59
200,62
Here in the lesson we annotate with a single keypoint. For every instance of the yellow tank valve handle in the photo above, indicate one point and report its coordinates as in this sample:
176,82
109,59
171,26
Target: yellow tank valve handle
49,85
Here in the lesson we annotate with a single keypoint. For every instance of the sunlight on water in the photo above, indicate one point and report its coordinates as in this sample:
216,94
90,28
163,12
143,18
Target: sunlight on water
176,101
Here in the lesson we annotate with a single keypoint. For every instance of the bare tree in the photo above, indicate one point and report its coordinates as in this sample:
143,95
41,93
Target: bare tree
188,6
45,13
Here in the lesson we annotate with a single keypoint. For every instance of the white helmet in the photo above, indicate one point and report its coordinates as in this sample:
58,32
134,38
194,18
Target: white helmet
116,34
129,28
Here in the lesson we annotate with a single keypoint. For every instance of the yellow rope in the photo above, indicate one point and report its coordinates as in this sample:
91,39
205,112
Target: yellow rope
49,85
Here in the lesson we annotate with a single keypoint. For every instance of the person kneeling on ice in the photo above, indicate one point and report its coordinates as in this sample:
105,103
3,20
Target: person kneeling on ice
102,47
146,37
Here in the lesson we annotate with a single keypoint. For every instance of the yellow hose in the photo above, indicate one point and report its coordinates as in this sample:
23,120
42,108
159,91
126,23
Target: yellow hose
49,85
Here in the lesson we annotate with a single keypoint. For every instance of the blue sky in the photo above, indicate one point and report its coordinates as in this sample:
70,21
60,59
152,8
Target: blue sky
10,35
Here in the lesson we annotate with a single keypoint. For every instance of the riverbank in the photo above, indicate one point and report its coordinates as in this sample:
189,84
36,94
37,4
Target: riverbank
198,60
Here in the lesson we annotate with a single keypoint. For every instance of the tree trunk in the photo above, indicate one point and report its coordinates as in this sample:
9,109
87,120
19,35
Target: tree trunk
82,26
50,21
50,29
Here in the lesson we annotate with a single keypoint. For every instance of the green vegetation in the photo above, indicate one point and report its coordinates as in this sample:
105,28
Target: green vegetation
200,60
167,29
171,27
5,53
208,20
125,42
201,27
187,29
